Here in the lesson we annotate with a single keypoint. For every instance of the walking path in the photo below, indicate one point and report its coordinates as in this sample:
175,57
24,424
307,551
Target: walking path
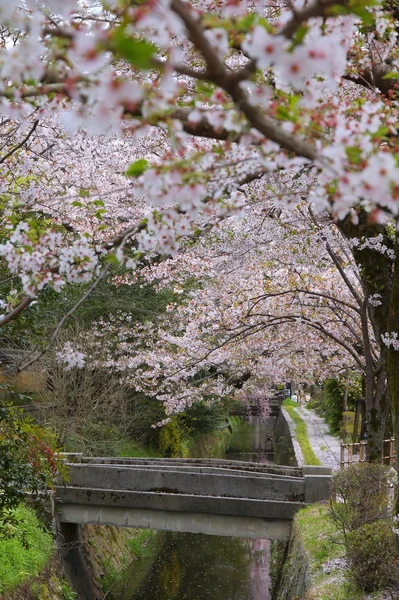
325,446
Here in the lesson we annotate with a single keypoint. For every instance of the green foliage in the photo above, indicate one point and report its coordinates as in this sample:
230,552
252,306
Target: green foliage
21,561
372,556
137,168
141,545
170,439
110,575
359,496
318,533
66,592
131,449
139,53
203,417
321,543
330,403
197,431
27,464
301,433
209,445
240,439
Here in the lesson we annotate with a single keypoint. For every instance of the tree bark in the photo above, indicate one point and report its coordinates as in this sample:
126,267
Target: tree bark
377,412
375,271
393,357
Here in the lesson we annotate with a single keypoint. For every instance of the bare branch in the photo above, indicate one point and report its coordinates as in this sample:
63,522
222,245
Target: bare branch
62,322
21,143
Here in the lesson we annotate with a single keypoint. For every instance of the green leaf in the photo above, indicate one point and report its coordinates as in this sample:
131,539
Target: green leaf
301,34
354,154
137,168
294,100
139,53
77,204
83,193
283,113
363,13
391,75
111,258
98,203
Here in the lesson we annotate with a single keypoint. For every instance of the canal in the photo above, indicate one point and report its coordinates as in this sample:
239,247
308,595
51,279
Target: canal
188,566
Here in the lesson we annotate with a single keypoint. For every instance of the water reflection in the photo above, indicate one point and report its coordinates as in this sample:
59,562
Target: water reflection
201,567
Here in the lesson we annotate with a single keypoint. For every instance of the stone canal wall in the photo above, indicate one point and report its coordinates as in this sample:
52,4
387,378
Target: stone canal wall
285,452
294,577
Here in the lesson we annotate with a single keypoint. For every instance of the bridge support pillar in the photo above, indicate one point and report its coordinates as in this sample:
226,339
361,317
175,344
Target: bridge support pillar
77,574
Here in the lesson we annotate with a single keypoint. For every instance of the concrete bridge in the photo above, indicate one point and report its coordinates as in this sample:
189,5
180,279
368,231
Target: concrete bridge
218,497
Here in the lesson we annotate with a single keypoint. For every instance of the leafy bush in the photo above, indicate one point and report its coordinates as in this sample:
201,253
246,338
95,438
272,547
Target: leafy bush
18,561
362,494
170,440
372,556
27,464
203,417
330,402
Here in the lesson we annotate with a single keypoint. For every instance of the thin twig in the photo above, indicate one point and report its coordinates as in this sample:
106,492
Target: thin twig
60,325
18,146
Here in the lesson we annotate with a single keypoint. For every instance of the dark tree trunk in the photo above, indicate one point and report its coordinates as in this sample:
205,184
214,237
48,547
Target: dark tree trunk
393,358
375,271
377,412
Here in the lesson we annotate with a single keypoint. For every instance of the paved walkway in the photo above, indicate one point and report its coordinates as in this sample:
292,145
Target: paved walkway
325,446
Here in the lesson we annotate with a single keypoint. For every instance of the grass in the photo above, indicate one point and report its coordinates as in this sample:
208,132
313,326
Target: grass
301,433
141,545
321,543
133,450
18,564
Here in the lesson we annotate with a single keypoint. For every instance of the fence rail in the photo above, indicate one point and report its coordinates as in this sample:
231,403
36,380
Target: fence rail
356,452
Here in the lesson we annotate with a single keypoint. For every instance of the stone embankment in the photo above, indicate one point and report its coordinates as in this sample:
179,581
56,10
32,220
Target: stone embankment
296,578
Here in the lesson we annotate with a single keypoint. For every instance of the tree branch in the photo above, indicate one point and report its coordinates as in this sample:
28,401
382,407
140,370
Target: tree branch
18,146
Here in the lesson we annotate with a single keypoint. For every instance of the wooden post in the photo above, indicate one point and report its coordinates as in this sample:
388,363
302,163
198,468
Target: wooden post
350,454
342,460
362,451
392,451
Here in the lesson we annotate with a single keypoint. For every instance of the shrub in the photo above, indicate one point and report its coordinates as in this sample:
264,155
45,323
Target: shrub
372,556
27,464
170,439
362,494
330,402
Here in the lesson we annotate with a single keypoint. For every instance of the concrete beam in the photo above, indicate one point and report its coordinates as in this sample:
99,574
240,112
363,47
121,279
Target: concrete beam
248,527
174,482
266,509
316,470
200,462
187,469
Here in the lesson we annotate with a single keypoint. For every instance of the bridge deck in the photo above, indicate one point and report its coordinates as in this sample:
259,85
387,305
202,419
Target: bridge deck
185,494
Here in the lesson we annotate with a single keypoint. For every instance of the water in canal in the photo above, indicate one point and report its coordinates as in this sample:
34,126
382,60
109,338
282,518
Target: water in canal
188,566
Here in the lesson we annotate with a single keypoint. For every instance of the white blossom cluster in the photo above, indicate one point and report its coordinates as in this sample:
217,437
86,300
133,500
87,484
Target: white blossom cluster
391,339
375,300
33,259
373,243
70,357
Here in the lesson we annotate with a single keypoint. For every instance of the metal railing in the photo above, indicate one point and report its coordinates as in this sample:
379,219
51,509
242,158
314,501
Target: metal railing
356,452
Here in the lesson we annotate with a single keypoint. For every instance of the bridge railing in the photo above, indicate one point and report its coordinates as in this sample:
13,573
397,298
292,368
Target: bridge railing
355,452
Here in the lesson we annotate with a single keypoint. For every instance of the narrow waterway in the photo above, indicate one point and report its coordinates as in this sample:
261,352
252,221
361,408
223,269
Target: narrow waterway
187,566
